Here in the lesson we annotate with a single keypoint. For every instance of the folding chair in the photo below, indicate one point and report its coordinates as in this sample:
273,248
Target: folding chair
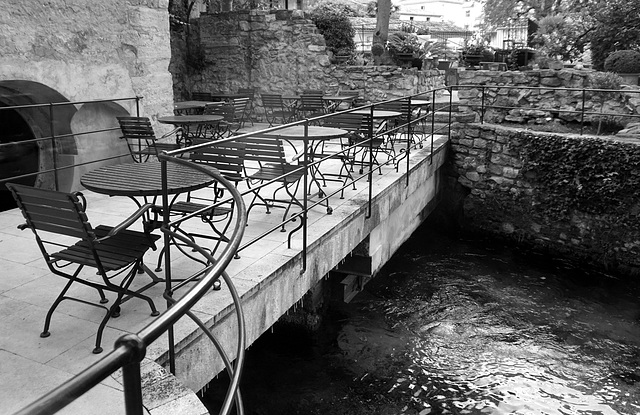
363,147
250,110
353,124
228,159
276,112
142,141
265,161
201,96
311,105
113,251
399,126
234,113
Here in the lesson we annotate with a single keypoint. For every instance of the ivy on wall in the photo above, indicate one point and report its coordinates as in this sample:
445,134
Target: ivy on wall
592,175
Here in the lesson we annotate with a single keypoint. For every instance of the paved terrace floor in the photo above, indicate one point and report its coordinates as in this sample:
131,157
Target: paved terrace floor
31,366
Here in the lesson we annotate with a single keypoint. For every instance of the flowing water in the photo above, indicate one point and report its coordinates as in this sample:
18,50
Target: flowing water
459,326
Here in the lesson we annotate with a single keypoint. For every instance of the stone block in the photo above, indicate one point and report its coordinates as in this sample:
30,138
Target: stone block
473,176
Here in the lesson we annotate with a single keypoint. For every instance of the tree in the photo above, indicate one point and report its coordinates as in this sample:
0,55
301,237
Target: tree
616,27
381,34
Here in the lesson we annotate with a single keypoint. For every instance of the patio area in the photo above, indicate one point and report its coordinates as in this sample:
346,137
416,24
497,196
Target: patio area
32,365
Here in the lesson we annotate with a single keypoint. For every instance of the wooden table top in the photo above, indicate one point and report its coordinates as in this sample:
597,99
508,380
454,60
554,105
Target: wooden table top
315,132
189,119
185,105
378,113
143,179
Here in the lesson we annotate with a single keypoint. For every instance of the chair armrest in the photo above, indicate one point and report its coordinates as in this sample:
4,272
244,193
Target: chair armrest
295,157
128,222
172,132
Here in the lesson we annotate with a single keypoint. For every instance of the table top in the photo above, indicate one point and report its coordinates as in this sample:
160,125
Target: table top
143,179
185,105
229,95
189,119
325,97
378,113
315,132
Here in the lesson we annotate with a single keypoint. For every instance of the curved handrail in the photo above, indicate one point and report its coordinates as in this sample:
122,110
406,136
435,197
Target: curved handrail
130,349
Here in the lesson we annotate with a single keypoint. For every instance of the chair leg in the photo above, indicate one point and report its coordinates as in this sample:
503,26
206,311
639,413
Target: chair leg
61,296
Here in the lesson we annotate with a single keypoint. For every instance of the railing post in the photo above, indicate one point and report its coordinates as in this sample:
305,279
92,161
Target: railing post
132,388
54,150
370,174
409,139
305,181
482,107
584,94
167,260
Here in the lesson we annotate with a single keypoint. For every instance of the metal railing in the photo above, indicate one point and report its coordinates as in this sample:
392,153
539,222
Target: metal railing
130,349
53,136
553,109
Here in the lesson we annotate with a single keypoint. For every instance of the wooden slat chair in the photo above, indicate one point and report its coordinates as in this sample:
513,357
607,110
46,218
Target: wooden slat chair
276,112
201,96
353,124
234,113
311,105
402,131
228,159
142,140
355,102
250,110
115,252
265,160
358,138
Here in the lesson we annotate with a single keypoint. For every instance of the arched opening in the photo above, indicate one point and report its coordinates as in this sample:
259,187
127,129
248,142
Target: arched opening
28,123
18,155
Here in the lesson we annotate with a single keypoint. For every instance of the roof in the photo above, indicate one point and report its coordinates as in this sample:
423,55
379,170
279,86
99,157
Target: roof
395,24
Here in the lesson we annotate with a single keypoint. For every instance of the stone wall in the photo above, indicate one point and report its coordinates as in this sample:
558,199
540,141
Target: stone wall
570,194
90,50
545,106
282,52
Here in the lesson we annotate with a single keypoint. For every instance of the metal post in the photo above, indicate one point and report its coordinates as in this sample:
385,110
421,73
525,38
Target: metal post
167,260
54,150
132,389
370,174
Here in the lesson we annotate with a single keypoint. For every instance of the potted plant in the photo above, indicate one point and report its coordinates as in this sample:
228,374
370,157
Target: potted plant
625,63
405,48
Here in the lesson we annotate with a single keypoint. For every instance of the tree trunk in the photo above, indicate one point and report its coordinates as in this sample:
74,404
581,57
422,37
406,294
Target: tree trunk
382,29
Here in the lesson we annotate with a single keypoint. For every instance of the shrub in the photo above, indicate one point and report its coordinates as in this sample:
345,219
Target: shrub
333,23
623,61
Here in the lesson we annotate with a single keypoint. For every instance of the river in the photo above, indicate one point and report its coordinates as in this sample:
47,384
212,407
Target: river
456,325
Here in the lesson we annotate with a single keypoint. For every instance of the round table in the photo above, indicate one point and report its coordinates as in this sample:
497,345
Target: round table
379,114
144,179
193,126
314,132
183,107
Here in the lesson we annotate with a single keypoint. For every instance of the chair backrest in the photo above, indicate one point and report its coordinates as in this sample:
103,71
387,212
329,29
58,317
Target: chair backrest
137,128
219,108
227,157
401,106
272,101
249,92
55,212
240,108
358,125
312,103
312,92
263,151
201,96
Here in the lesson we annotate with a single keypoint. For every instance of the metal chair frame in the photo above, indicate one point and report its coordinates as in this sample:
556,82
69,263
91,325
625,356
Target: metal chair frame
112,251
142,141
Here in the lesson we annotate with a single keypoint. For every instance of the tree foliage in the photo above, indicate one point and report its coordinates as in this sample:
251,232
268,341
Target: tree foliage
617,27
332,20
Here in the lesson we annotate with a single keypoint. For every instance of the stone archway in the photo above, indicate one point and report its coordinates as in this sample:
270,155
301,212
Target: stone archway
38,139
